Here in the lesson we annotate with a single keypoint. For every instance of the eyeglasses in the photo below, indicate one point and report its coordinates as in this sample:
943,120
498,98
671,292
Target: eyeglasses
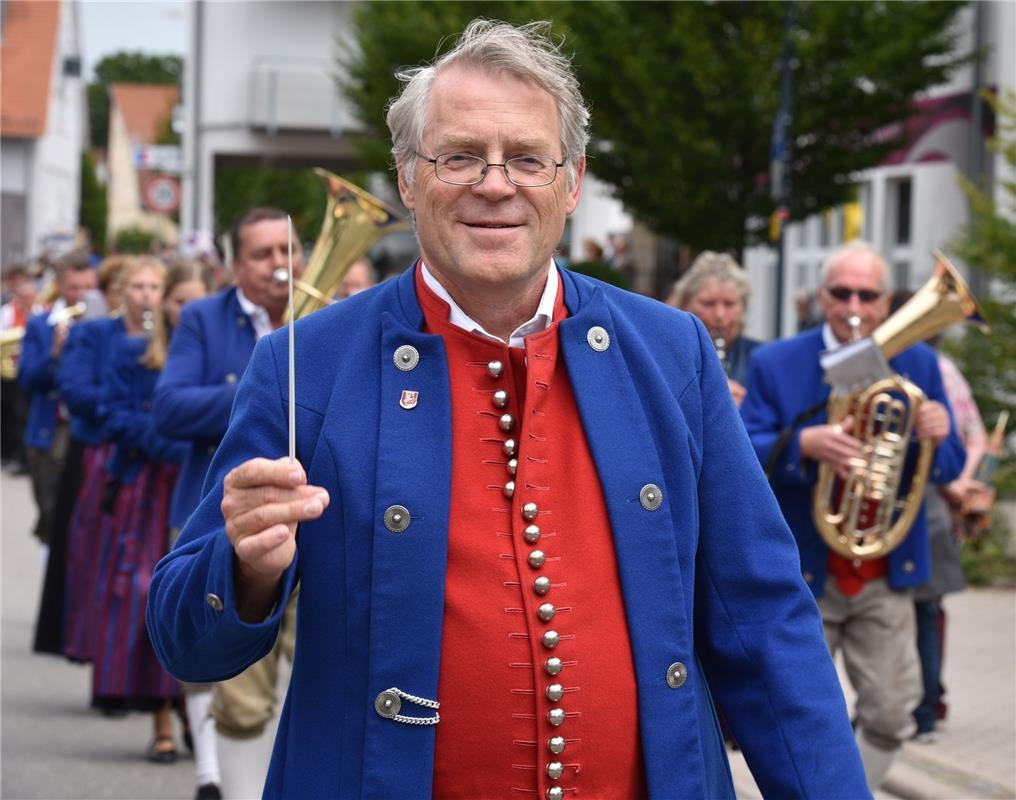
843,294
463,169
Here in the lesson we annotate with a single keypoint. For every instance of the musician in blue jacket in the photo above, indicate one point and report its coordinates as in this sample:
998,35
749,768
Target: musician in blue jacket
474,440
46,428
866,606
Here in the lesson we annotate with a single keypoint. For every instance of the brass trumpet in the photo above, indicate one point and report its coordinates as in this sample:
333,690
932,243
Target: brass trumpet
862,516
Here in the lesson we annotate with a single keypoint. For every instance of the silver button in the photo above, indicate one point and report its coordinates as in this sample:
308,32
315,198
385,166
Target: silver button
214,601
555,716
509,489
651,497
506,423
555,793
555,769
231,377
546,612
552,666
509,447
530,510
531,534
387,704
598,338
556,745
396,518
500,398
513,465
677,674
494,369
406,357
241,321
536,559
550,639
541,585
555,692
909,566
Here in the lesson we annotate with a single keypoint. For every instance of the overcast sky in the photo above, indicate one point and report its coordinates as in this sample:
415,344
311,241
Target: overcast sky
158,27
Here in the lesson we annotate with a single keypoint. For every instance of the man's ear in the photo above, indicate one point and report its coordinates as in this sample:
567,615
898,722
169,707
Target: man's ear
406,189
573,194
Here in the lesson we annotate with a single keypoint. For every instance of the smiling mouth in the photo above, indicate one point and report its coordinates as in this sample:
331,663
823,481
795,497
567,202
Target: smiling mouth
492,225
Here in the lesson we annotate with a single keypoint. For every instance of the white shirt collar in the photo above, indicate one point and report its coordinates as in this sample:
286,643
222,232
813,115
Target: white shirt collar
541,319
259,317
829,338
54,311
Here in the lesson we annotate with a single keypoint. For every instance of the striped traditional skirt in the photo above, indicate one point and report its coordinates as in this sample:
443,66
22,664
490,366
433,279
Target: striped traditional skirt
126,672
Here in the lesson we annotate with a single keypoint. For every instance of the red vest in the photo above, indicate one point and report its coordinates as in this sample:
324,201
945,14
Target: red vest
537,683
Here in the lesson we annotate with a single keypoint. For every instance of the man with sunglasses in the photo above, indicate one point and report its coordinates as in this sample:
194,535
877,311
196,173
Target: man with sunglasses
524,571
867,606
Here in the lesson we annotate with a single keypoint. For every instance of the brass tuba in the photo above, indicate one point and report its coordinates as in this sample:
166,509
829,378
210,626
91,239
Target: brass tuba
862,516
354,220
10,350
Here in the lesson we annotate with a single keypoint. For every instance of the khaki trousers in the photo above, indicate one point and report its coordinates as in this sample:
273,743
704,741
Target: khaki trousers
876,632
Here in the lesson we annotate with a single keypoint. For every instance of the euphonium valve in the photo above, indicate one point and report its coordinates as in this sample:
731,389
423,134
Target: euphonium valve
864,515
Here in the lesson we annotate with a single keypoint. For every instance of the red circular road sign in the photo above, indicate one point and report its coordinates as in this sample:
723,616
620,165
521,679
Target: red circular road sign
162,194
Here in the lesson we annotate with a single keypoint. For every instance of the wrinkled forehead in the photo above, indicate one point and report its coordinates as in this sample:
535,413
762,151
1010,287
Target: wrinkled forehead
858,270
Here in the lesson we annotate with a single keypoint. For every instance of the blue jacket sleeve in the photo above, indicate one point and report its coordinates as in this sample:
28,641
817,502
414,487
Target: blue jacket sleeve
184,406
76,372
193,640
36,368
759,632
124,395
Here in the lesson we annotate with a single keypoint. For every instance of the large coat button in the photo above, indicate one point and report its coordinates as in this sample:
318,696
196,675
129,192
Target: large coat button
556,745
555,793
550,639
388,704
677,674
406,357
555,716
214,601
396,518
598,338
651,497
555,692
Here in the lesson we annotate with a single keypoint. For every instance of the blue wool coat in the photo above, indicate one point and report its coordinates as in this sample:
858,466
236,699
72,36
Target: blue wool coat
710,579
784,379
208,353
85,357
37,374
126,409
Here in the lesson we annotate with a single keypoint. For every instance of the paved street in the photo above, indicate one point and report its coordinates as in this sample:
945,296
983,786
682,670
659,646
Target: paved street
53,746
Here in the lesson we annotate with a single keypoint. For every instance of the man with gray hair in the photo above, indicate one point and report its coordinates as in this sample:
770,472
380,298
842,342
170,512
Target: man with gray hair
867,606
524,568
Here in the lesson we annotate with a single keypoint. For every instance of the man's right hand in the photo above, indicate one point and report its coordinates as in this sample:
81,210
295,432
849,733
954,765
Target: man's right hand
262,503
833,444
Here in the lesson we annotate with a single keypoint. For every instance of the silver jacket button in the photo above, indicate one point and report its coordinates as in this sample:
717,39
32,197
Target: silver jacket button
494,369
406,357
598,338
551,639
677,674
555,692
552,666
508,447
546,612
231,377
506,423
555,769
531,534
513,465
541,585
500,398
536,559
509,489
530,510
388,704
556,745
651,497
555,793
214,601
555,716
396,518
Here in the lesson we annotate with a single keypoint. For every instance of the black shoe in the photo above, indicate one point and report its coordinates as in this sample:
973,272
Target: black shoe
159,753
208,791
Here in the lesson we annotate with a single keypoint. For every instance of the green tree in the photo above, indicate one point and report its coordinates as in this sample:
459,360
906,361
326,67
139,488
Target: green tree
134,240
124,67
988,243
683,95
93,203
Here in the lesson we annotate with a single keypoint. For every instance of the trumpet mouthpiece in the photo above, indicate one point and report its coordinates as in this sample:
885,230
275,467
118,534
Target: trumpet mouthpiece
281,275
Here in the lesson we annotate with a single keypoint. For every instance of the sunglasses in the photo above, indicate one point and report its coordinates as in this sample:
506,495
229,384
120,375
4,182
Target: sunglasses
843,294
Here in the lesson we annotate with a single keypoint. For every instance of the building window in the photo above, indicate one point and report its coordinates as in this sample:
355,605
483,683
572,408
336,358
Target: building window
901,209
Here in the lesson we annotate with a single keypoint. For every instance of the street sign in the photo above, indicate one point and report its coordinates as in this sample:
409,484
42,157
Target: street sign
159,157
162,194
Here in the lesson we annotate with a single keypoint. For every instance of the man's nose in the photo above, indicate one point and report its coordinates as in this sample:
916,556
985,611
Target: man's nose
495,183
